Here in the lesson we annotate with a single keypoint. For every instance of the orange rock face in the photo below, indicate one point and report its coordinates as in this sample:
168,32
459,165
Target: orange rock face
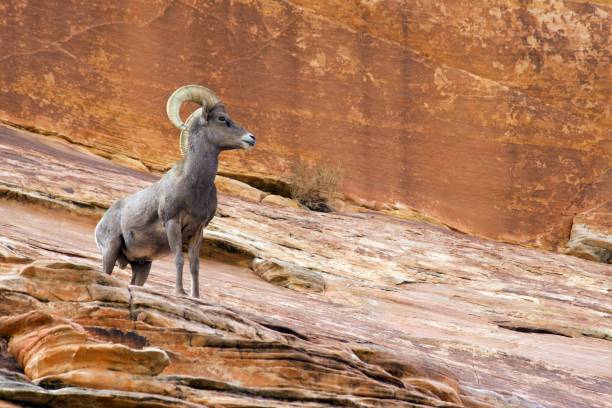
298,308
490,116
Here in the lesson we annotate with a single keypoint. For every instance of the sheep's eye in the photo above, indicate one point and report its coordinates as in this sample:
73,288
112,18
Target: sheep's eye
222,118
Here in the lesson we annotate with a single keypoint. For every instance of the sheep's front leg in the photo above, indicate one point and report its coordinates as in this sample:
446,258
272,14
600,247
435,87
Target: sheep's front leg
175,240
194,263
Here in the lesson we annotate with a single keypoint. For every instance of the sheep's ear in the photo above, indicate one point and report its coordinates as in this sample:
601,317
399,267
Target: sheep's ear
204,116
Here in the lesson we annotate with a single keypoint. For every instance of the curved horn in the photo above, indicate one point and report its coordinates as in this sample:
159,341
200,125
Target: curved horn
184,140
192,93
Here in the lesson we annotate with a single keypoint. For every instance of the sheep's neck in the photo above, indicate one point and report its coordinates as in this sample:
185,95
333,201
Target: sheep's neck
201,166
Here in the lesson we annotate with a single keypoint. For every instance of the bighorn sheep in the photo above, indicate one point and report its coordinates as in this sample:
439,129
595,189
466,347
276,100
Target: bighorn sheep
172,212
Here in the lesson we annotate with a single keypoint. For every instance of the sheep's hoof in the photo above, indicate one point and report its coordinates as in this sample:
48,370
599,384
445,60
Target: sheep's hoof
180,292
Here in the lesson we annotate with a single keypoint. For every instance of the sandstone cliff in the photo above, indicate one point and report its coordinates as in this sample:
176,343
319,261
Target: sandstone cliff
488,120
492,116
299,308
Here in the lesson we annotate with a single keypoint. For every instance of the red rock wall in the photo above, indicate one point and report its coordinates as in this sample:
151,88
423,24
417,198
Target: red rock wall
492,116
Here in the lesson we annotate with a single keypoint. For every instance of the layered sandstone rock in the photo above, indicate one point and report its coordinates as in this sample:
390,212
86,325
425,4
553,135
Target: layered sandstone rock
298,308
591,236
218,357
281,201
490,116
47,346
239,189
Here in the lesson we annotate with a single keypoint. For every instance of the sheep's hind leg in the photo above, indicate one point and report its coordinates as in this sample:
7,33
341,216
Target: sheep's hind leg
140,272
110,253
109,239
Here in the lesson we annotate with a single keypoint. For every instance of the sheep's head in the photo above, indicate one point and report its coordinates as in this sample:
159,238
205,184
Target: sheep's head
222,131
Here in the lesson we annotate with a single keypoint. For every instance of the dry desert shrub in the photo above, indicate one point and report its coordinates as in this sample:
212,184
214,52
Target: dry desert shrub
314,185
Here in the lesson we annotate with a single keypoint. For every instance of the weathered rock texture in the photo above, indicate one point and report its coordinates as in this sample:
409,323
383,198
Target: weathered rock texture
299,308
591,236
47,346
492,116
218,357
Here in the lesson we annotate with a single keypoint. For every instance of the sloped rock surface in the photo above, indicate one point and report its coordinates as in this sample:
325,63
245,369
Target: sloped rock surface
289,275
18,388
492,116
410,314
45,345
217,355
